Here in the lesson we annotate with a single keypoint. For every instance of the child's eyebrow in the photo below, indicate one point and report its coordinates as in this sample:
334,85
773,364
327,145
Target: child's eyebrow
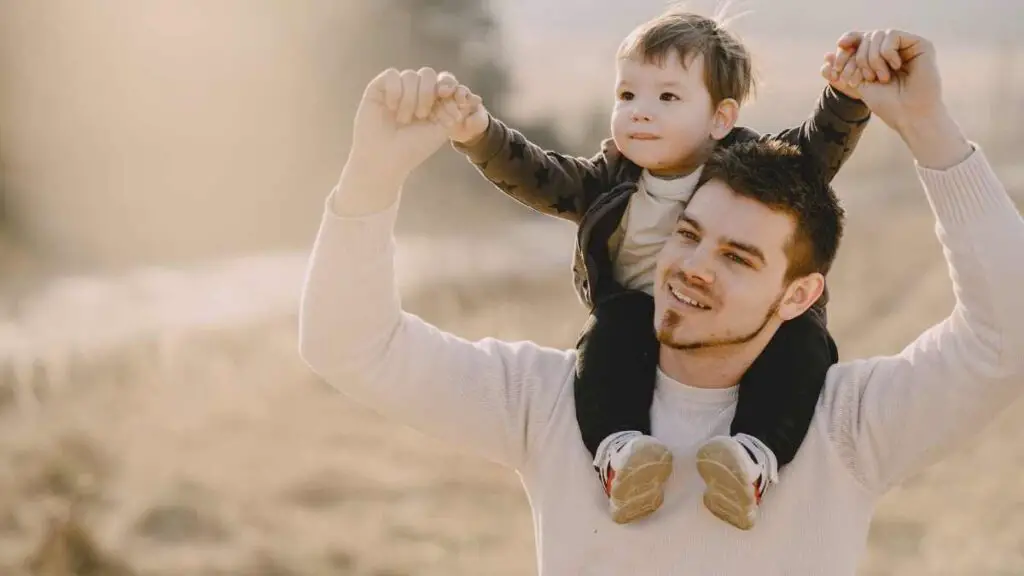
674,84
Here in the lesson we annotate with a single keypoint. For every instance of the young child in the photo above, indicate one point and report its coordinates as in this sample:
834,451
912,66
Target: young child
681,79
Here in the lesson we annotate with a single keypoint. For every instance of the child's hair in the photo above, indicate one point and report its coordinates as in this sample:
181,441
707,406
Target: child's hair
728,68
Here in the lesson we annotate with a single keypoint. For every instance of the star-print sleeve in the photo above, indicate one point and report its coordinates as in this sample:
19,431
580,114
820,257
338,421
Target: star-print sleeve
549,182
831,133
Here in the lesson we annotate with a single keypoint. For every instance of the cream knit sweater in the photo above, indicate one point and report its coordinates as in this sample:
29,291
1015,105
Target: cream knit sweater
878,420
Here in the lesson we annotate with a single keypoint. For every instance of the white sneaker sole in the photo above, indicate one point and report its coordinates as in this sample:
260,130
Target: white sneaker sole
639,489
728,496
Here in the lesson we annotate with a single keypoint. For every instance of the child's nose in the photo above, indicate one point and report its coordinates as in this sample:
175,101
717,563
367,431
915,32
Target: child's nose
641,115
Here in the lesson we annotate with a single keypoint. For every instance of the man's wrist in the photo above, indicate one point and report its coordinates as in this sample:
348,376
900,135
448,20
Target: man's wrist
366,187
935,139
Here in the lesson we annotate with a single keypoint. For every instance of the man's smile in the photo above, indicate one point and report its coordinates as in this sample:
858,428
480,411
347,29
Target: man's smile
686,295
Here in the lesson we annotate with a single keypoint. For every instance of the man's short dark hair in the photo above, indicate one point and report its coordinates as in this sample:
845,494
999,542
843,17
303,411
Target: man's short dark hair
779,176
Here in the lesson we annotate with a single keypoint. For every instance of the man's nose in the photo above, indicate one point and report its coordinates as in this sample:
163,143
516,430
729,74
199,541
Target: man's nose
698,267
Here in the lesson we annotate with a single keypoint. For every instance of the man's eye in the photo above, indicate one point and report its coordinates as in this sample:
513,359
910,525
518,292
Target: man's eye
738,259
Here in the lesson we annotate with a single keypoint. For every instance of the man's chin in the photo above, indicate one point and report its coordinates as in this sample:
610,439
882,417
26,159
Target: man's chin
670,342
669,337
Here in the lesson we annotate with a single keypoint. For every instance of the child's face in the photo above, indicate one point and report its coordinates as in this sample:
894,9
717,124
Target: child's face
663,118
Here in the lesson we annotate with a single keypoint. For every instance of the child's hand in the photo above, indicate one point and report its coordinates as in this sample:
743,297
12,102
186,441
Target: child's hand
463,114
474,116
860,58
837,80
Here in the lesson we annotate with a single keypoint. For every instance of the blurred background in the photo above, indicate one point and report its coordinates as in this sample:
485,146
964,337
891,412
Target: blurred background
163,167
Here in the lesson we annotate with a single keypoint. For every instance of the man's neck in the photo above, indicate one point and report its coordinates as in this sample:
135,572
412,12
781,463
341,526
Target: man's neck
720,367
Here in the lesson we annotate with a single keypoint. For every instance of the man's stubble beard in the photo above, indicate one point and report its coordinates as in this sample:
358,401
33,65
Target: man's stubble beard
672,319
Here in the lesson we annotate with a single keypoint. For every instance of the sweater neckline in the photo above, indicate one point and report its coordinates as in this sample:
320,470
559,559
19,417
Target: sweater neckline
671,390
674,189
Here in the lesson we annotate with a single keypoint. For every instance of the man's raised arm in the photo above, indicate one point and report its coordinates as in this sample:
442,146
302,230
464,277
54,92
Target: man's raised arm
481,396
891,416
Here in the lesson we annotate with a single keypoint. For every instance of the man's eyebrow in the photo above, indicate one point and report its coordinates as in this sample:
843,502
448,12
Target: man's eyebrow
748,248
689,220
732,242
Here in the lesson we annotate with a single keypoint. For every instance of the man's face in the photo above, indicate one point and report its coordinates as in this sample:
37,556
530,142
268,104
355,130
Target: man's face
663,114
720,279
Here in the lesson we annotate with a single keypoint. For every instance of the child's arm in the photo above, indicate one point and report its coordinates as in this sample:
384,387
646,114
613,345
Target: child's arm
549,182
831,133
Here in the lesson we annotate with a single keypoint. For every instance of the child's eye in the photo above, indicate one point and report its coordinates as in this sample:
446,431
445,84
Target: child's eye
668,96
689,235
626,96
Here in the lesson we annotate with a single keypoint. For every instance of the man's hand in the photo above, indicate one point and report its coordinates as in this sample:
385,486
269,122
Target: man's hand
402,119
865,57
897,77
895,72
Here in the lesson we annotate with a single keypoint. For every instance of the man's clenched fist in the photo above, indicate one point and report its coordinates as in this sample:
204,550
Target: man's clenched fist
895,73
402,119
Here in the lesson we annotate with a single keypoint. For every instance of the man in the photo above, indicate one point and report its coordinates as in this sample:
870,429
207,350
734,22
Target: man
878,419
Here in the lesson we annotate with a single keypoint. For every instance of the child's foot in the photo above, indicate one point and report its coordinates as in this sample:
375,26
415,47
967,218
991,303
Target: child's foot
633,468
737,470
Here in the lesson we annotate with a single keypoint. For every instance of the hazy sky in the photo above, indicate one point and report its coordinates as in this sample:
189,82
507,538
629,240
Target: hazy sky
561,51
961,20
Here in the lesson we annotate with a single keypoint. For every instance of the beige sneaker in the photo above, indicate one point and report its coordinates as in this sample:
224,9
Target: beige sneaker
633,468
737,470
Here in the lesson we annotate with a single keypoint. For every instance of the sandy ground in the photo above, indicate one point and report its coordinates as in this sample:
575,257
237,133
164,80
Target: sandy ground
172,407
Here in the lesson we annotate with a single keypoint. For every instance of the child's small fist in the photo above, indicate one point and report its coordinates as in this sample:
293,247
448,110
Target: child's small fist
847,84
473,117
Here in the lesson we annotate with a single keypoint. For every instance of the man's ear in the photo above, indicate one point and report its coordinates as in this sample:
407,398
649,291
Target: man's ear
726,114
801,294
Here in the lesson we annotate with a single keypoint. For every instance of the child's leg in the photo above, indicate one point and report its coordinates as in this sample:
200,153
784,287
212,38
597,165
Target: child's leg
777,399
617,358
779,392
614,388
